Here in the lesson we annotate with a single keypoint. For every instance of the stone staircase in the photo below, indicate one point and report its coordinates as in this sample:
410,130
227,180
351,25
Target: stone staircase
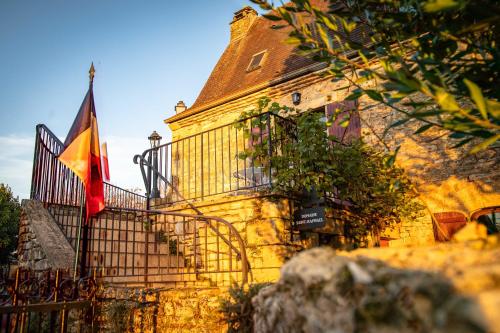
126,248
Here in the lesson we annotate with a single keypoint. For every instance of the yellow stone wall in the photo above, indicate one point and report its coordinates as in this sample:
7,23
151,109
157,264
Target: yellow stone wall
264,226
447,179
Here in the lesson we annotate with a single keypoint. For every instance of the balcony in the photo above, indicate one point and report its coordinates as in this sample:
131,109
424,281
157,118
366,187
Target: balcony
216,161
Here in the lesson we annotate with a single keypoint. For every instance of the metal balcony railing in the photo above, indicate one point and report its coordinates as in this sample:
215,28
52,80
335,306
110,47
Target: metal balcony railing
216,161
52,182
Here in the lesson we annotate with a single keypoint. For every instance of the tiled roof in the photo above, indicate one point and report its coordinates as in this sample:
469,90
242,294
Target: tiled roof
230,75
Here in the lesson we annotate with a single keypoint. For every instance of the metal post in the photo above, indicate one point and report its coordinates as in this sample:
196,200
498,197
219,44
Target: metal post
155,193
85,242
270,148
79,233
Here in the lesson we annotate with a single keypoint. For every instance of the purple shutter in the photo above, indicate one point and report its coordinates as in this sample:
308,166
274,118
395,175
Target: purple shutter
257,135
353,130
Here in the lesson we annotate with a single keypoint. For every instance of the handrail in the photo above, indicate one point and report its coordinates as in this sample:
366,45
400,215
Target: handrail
46,140
140,159
219,127
241,253
52,135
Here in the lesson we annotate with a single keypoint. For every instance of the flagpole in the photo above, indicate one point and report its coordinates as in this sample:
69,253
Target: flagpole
79,234
80,216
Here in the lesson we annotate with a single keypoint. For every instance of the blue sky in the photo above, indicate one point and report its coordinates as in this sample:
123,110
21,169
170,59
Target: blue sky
147,55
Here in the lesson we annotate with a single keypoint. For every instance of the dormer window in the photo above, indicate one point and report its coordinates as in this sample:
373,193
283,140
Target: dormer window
256,62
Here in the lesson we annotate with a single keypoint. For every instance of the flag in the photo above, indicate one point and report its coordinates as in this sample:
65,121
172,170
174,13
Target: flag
105,164
81,153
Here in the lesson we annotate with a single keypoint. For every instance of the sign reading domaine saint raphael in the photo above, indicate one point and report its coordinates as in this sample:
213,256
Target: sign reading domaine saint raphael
310,218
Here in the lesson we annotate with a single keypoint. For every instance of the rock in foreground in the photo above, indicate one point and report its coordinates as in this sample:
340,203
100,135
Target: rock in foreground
320,291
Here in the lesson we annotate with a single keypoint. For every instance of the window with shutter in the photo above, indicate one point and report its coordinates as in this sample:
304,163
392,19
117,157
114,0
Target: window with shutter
344,110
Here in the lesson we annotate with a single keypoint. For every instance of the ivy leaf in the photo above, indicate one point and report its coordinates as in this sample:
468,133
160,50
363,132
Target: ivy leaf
477,97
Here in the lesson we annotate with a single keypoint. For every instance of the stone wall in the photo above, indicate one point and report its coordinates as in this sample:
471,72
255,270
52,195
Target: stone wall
448,179
191,310
42,244
263,224
162,310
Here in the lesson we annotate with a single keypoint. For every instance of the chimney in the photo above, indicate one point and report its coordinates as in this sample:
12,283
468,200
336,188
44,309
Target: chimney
180,107
242,21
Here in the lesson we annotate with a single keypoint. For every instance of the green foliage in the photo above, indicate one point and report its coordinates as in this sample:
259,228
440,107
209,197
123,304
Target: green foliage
379,192
10,213
238,308
119,314
445,52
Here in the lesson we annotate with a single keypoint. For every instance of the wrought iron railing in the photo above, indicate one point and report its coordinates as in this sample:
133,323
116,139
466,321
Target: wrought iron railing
133,246
54,183
129,244
215,161
49,301
158,247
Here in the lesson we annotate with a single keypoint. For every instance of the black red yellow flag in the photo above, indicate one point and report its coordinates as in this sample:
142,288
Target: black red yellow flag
82,155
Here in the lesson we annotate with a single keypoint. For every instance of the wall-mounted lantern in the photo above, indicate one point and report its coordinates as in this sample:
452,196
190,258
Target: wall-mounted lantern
296,98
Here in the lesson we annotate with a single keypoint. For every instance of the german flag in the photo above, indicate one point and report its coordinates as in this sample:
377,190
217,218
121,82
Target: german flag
81,152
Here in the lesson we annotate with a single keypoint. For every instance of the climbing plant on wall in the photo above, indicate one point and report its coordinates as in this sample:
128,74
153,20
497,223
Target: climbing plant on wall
377,192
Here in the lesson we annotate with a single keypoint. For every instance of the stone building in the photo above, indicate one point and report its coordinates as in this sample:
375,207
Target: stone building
202,163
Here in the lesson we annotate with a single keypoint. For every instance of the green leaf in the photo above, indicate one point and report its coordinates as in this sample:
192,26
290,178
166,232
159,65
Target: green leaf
485,144
463,142
375,95
399,122
330,23
477,97
446,100
293,40
324,36
392,157
344,123
280,26
423,128
271,17
440,5
457,135
354,95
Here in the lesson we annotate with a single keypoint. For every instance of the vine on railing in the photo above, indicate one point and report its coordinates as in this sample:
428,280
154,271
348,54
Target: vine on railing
210,163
